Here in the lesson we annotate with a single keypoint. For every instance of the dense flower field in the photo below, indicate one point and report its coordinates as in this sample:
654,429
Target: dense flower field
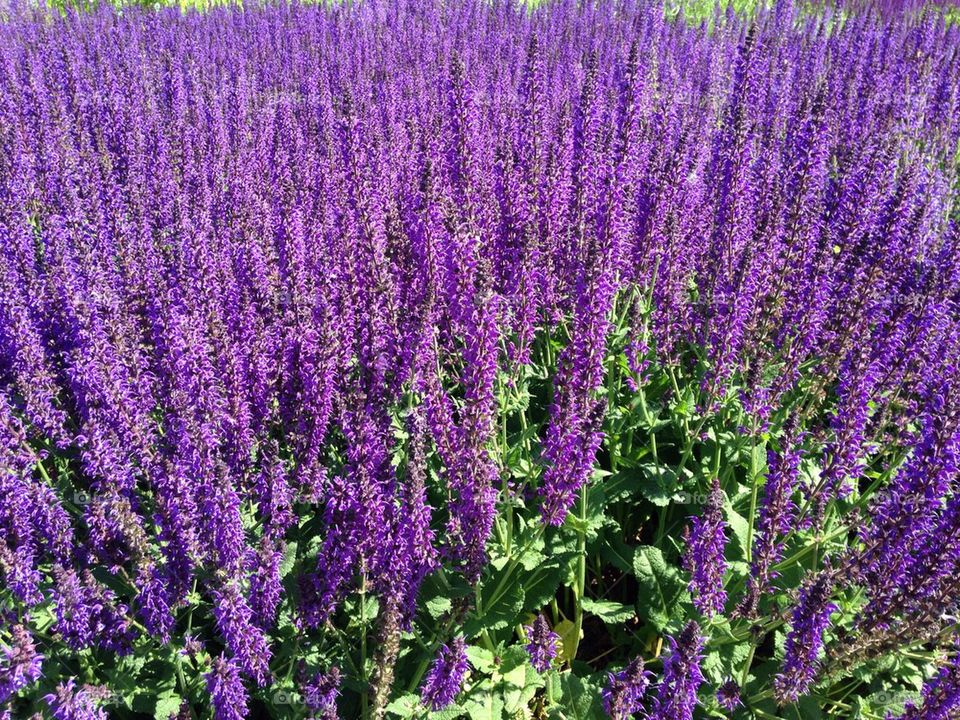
442,358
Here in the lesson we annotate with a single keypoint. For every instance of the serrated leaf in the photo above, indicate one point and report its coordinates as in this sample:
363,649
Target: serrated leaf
439,606
514,683
512,658
758,461
661,586
608,611
405,705
448,713
579,699
484,704
657,483
740,530
520,687
289,559
167,705
481,659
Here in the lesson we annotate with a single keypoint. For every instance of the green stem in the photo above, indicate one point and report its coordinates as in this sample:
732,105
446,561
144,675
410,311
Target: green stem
688,448
182,684
754,490
803,552
581,571
364,710
745,673
512,565
478,601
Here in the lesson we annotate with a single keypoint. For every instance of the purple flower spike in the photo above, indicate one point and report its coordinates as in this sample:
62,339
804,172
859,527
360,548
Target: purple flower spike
811,617
704,560
227,694
728,695
68,703
542,645
682,676
444,679
21,664
320,694
624,693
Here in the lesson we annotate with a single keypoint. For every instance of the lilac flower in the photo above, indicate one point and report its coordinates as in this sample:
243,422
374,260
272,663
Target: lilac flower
246,641
87,613
265,581
153,603
541,643
811,617
623,695
704,559
191,646
908,542
855,389
444,680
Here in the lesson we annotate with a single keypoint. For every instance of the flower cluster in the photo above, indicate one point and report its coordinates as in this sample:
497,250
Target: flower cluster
682,676
312,308
542,644
811,618
444,680
625,690
706,540
22,663
320,694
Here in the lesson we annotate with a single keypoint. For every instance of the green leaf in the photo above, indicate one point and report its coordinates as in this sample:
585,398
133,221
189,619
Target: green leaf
448,713
741,532
758,461
657,483
439,606
541,583
501,604
519,686
580,699
484,704
620,485
806,708
568,635
595,518
123,676
661,587
289,559
167,705
404,706
724,662
608,611
615,551
481,659
371,606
